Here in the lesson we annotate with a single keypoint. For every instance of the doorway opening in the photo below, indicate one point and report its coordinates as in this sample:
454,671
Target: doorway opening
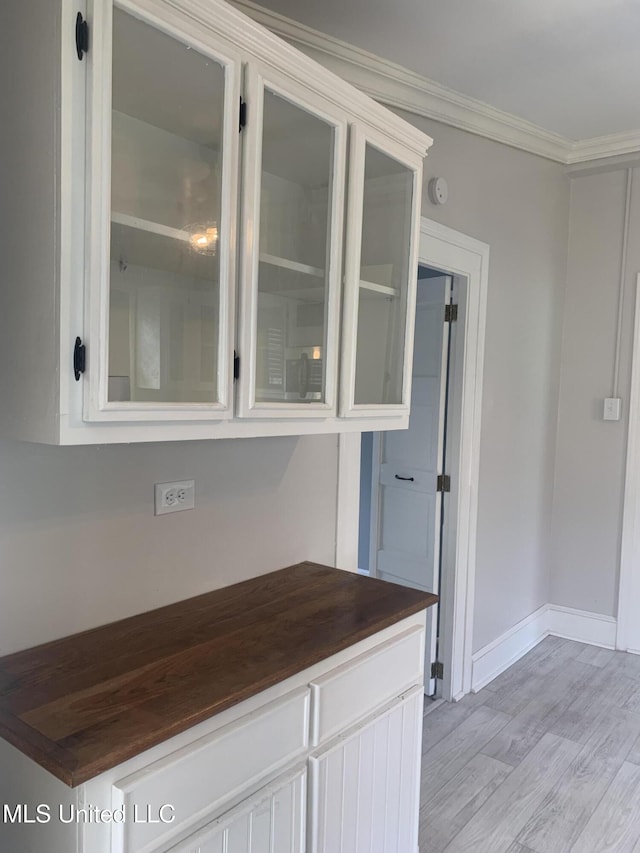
404,474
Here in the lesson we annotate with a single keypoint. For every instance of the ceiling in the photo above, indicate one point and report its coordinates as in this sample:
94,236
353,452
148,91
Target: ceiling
571,67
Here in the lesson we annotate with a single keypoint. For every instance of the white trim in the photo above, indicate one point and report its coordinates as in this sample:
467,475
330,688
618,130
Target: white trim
628,637
582,626
504,651
348,501
455,253
550,619
395,86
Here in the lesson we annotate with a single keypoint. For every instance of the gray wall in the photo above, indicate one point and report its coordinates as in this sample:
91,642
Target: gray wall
519,204
80,546
589,482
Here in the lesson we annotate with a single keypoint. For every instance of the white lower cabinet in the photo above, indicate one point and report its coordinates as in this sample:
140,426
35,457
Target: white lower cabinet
273,821
364,788
327,761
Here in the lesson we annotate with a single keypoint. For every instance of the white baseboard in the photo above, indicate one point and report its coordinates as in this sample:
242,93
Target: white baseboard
497,656
579,625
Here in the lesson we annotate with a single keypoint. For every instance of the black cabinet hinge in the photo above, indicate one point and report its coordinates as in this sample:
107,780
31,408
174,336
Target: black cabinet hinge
243,113
79,358
82,36
236,366
450,313
443,483
437,670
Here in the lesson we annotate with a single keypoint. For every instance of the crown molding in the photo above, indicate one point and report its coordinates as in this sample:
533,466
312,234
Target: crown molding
599,147
395,86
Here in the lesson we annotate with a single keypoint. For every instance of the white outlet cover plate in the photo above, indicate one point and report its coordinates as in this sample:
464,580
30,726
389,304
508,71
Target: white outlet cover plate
174,497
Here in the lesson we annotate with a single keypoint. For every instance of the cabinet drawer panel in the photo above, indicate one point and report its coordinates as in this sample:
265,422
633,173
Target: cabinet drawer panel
357,688
271,822
201,777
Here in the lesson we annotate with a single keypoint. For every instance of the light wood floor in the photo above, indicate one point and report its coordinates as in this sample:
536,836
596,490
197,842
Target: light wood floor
545,759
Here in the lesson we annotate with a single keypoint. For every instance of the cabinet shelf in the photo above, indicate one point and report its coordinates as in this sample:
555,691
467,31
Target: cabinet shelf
291,279
142,243
294,266
150,227
381,289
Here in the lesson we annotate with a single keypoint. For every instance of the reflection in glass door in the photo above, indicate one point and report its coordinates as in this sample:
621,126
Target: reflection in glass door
299,161
380,281
161,222
165,214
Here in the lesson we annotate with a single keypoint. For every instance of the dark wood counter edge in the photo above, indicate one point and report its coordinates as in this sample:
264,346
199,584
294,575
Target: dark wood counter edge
64,765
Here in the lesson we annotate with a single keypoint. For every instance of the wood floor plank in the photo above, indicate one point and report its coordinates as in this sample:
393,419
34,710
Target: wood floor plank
516,739
446,718
596,656
634,753
444,760
515,674
556,825
614,826
457,801
503,816
607,689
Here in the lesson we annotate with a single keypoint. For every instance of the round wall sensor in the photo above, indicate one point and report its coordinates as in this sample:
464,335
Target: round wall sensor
438,190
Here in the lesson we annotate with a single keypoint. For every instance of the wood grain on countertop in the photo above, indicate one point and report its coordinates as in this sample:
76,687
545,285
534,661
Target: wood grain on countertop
83,704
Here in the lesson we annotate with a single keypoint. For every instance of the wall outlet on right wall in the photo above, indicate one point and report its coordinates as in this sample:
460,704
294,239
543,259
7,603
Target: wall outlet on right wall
612,408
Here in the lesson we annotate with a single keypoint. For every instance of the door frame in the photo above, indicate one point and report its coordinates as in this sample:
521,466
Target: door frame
455,253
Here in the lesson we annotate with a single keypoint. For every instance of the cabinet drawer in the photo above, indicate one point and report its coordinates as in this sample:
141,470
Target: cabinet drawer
197,780
352,691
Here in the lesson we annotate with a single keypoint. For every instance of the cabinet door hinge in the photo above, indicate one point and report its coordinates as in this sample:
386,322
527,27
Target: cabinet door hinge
79,358
450,313
437,670
243,113
236,366
82,36
443,483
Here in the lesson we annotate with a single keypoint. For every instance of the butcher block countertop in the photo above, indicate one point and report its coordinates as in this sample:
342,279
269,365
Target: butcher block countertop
83,704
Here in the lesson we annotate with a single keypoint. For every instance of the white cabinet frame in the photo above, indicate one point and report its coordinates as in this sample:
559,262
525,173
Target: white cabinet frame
257,79
98,219
359,140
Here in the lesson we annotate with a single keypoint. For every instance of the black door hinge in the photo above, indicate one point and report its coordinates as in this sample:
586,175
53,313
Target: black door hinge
79,358
443,483
243,113
437,670
236,366
82,36
450,313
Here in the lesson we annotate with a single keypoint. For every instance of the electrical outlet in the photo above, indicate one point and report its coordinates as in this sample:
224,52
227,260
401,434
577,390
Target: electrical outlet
175,497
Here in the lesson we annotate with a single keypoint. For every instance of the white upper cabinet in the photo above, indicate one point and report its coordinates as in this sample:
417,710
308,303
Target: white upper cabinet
225,231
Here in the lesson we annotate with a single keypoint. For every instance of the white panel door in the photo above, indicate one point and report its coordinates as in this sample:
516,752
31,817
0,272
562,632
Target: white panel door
409,506
365,789
271,822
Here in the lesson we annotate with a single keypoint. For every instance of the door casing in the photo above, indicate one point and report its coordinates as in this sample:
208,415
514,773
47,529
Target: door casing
467,259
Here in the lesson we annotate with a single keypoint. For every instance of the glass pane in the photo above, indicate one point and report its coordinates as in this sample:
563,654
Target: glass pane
165,214
295,200
384,279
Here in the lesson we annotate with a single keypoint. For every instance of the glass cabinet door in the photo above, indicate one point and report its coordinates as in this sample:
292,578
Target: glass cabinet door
380,279
163,162
294,159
